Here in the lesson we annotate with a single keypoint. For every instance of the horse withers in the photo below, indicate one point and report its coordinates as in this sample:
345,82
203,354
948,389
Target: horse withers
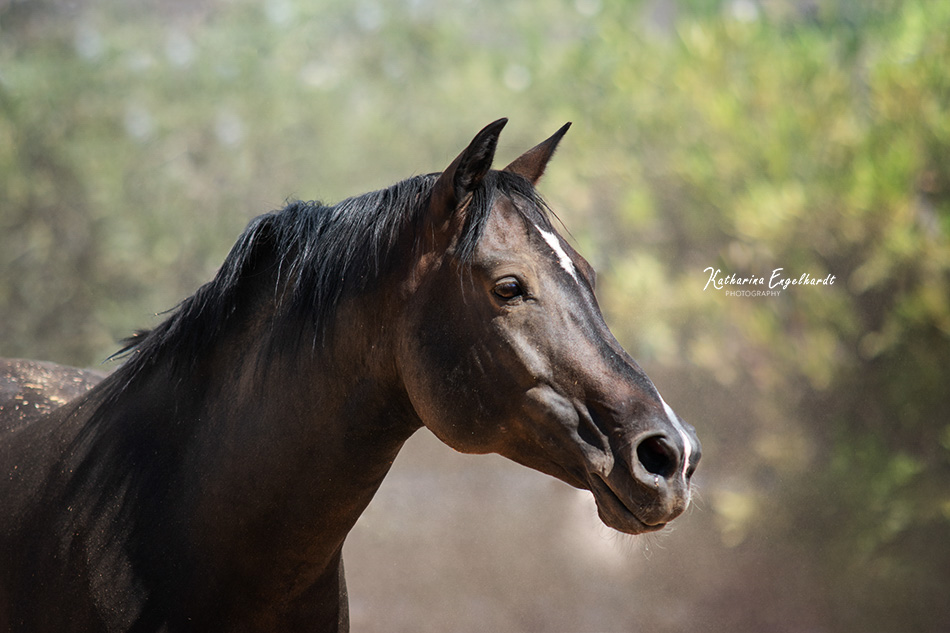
209,482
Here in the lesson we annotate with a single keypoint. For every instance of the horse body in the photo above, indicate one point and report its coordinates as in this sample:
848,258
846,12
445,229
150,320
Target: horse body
209,483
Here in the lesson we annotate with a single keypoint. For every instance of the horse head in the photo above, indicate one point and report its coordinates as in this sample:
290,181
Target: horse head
502,347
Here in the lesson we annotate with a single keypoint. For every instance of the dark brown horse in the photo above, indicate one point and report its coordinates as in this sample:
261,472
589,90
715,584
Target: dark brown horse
208,484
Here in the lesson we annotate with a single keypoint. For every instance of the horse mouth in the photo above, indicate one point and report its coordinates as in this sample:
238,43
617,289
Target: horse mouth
617,514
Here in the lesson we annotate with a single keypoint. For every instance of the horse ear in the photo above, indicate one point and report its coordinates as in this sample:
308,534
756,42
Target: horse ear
466,172
531,164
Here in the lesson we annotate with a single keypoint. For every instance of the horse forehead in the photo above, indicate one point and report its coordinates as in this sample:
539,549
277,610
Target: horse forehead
506,223
511,231
563,259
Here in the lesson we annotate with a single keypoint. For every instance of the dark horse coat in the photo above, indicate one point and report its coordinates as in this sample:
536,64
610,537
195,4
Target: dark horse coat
208,484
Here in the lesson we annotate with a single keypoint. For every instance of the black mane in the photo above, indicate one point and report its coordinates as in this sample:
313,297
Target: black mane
320,253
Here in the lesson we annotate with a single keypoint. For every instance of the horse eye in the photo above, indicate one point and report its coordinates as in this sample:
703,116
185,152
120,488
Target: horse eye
508,289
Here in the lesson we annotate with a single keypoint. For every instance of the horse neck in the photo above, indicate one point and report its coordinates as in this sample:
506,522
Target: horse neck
315,430
283,451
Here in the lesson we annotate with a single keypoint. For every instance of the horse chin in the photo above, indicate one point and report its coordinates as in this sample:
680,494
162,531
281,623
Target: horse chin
615,513
612,510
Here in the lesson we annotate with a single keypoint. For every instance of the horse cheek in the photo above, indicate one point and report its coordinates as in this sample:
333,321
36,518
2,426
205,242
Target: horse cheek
439,371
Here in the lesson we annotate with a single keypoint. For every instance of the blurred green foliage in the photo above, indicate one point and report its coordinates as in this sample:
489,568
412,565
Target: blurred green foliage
137,140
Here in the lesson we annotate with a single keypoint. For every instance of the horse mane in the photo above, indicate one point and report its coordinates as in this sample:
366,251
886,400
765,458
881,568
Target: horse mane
320,254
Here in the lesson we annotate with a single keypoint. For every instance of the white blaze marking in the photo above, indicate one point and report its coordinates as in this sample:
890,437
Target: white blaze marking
562,257
687,445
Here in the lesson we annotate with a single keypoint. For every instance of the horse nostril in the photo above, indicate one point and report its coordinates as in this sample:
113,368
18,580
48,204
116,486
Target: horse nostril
658,456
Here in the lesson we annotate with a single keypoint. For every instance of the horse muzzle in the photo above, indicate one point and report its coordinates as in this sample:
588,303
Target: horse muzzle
648,484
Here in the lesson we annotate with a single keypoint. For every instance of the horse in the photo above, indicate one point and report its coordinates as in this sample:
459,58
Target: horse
209,482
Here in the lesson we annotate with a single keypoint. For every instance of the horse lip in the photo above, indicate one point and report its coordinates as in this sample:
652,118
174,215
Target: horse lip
614,512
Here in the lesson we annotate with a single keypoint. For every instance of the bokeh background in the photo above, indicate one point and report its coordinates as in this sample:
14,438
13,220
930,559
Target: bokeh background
138,137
